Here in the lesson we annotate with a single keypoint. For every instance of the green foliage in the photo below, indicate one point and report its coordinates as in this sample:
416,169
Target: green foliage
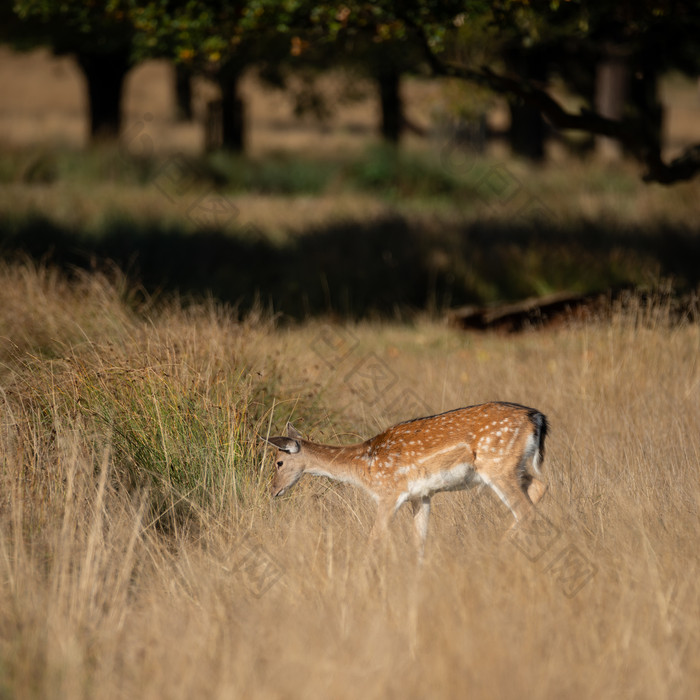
210,35
78,26
221,39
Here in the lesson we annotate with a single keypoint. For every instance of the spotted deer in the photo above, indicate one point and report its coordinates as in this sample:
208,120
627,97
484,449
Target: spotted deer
491,444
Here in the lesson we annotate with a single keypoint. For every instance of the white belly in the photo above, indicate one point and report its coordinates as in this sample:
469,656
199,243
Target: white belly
461,476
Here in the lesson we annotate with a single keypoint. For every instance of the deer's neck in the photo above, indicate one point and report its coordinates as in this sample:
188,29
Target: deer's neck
345,463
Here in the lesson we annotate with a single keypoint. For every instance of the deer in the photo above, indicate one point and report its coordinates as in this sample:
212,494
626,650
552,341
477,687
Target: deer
497,444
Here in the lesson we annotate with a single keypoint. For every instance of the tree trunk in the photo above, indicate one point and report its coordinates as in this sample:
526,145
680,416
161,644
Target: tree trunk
612,77
644,99
391,105
213,127
105,75
232,113
183,94
528,129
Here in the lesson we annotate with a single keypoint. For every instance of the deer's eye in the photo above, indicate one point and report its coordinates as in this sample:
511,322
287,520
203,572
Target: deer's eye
279,464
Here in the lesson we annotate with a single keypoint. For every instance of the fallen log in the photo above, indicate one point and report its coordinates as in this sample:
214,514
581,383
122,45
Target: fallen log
563,307
530,312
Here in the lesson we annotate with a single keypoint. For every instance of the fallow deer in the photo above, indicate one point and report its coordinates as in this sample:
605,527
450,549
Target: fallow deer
491,444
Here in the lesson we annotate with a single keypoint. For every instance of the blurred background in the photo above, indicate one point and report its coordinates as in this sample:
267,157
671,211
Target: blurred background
356,159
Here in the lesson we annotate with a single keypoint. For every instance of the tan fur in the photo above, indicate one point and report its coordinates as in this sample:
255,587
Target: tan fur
492,443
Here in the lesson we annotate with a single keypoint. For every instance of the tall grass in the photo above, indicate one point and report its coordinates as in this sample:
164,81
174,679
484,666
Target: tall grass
140,556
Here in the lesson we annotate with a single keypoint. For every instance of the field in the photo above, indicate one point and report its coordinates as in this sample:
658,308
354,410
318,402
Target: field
143,355
141,556
322,219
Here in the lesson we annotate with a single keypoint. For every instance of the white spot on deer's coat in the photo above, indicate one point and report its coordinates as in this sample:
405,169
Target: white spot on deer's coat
406,469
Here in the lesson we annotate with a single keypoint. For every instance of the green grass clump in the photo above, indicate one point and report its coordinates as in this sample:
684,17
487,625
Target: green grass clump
179,411
397,173
280,174
188,446
38,166
382,170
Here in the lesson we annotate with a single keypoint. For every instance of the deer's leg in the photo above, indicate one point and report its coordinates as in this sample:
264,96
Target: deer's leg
510,491
421,516
385,511
535,489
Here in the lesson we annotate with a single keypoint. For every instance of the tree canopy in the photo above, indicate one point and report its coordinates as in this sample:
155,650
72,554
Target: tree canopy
220,39
653,36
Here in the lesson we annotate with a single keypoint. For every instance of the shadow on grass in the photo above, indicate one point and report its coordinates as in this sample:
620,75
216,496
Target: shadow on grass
387,267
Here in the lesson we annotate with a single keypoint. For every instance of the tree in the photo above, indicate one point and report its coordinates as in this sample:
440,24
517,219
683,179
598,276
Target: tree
651,36
369,37
572,36
386,63
218,39
183,93
101,37
215,38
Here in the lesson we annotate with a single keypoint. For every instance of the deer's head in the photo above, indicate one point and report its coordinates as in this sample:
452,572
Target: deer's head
290,461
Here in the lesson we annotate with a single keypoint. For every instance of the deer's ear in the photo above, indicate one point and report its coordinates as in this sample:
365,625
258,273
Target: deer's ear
292,432
285,444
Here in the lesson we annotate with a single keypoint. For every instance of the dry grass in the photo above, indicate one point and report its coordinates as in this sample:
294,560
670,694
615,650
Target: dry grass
123,578
139,553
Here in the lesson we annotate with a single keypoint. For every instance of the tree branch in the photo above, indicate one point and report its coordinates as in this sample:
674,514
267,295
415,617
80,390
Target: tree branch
630,134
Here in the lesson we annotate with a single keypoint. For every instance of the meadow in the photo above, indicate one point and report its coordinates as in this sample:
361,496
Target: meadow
146,350
319,218
141,556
